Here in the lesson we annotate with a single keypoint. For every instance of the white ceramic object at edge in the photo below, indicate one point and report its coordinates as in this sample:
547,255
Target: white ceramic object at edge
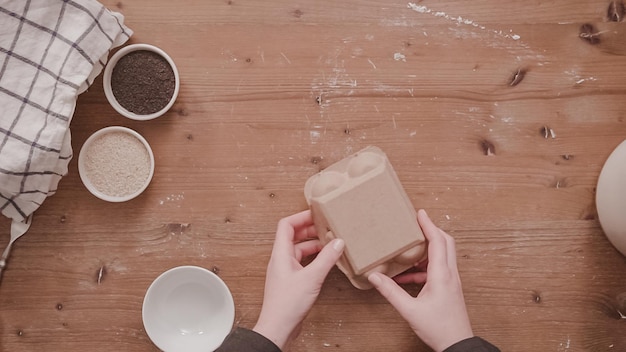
188,309
108,72
611,198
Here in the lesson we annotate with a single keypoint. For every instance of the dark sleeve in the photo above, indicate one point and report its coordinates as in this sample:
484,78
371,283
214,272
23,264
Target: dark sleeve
473,344
244,340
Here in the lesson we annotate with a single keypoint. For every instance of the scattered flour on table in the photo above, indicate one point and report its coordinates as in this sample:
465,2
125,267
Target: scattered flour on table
461,20
173,198
314,136
399,57
578,79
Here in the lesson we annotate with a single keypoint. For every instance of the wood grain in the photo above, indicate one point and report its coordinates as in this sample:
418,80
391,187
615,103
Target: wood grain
274,91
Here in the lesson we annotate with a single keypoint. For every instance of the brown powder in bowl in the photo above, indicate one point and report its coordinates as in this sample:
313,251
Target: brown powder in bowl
117,164
143,82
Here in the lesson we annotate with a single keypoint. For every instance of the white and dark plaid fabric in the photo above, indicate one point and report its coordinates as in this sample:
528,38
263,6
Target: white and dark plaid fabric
50,52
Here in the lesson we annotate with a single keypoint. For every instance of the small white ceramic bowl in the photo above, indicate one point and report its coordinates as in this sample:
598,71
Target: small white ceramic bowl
188,309
108,71
85,174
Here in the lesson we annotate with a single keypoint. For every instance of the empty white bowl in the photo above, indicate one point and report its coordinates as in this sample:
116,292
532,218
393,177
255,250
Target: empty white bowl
188,309
119,167
108,72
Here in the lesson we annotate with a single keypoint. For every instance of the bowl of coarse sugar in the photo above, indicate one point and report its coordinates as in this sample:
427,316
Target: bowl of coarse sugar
116,164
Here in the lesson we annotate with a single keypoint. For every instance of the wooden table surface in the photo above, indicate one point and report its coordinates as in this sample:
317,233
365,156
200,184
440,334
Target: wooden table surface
497,116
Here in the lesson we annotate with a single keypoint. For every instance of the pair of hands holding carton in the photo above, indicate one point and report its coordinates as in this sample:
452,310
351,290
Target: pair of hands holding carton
437,315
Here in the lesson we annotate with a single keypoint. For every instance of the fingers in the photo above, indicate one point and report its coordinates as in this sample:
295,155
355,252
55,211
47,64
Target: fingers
431,231
411,278
390,290
293,223
327,258
441,248
451,249
305,233
307,248
297,227
437,246
292,229
423,265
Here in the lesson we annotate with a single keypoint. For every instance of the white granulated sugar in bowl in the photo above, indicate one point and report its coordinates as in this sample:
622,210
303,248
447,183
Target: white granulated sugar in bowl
117,164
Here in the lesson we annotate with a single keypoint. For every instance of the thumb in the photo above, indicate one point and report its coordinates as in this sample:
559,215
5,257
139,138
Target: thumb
327,258
390,290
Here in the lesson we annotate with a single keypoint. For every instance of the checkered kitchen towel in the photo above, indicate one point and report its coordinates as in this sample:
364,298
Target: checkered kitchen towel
50,52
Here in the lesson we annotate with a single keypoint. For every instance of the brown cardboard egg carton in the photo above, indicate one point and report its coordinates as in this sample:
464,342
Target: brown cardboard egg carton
361,200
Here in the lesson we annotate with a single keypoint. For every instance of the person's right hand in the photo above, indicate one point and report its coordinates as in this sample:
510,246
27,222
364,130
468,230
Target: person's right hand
291,288
438,314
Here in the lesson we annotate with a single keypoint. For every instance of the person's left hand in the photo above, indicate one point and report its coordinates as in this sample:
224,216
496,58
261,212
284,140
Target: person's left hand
290,288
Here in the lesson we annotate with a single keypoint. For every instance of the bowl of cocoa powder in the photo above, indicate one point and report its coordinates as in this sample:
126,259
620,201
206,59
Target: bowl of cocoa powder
141,82
116,164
